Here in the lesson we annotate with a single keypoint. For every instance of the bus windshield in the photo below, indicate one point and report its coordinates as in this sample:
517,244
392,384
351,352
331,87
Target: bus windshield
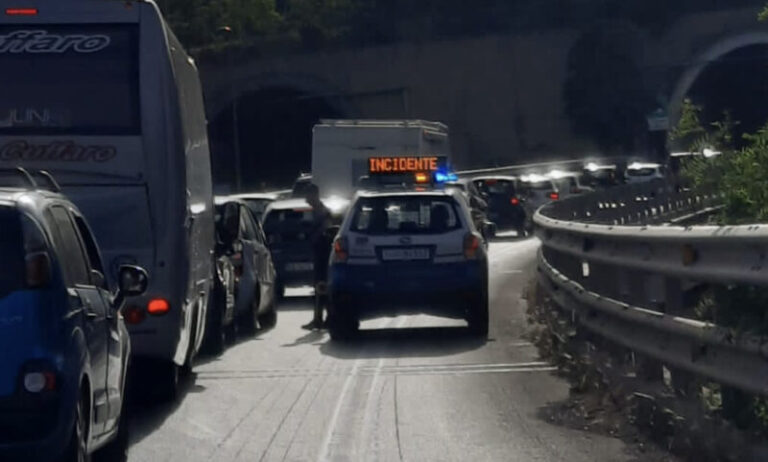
69,79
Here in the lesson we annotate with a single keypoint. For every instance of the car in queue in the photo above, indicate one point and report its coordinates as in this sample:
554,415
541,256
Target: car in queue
301,186
257,202
408,252
241,243
601,177
642,172
535,191
570,183
65,347
478,206
505,206
287,225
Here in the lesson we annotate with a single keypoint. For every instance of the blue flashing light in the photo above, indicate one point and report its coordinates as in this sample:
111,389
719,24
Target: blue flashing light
445,177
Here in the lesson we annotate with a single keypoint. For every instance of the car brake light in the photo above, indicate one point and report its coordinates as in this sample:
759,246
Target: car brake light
471,245
158,307
340,253
21,11
514,201
554,196
134,315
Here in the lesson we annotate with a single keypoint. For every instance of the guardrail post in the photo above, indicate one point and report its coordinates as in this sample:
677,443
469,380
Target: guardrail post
737,406
684,383
648,369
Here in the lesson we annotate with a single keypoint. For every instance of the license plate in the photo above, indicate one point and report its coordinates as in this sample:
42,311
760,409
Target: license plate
296,267
405,254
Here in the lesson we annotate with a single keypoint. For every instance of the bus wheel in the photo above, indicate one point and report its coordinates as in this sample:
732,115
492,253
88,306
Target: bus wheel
166,382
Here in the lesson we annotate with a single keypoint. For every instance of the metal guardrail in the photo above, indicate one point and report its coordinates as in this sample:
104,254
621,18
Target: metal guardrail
576,164
614,263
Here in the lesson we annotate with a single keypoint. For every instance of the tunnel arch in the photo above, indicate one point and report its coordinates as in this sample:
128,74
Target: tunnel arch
703,60
276,113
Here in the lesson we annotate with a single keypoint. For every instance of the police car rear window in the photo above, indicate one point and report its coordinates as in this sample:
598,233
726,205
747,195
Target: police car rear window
11,251
405,215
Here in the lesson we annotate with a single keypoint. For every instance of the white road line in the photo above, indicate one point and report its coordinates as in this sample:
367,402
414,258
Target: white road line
325,449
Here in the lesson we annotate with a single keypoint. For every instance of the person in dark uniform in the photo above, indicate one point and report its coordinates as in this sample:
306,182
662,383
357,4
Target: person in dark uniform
321,251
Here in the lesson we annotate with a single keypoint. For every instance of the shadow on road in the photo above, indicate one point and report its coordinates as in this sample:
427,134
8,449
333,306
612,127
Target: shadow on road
296,304
146,416
419,342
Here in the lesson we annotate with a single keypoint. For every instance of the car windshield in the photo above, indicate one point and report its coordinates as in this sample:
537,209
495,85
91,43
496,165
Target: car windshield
257,206
289,225
496,187
538,186
11,251
641,171
405,215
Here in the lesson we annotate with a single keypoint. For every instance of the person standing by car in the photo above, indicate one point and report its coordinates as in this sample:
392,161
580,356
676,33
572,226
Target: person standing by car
321,250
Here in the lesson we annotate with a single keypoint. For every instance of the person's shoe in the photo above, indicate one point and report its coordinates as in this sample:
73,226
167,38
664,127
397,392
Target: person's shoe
314,325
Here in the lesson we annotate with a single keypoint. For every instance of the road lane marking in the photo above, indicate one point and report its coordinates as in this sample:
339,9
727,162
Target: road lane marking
325,449
358,370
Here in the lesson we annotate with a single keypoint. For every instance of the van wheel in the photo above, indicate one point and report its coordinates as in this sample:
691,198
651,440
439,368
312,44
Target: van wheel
279,290
214,340
268,320
166,382
477,317
248,322
77,450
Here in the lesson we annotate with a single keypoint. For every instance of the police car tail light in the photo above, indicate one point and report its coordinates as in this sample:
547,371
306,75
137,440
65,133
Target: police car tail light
340,252
471,246
554,195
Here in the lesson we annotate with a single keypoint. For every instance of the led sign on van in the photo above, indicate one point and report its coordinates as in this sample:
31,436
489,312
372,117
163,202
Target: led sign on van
58,151
40,41
378,165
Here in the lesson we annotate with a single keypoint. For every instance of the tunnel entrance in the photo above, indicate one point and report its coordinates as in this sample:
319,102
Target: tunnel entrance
275,137
735,82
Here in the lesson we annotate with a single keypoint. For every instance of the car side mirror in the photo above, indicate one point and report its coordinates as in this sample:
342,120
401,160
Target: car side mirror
98,278
132,281
38,270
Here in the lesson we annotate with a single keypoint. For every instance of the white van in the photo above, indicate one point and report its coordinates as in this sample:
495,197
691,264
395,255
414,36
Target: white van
341,149
101,94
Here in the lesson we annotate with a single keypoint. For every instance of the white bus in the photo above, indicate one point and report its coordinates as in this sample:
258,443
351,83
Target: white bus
101,94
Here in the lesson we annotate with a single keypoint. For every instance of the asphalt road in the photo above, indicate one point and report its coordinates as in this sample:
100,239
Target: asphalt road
410,389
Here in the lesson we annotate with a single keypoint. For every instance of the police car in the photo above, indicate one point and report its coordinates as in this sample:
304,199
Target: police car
408,252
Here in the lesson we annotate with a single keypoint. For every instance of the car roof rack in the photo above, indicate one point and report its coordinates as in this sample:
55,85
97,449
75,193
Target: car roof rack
22,174
53,185
31,179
